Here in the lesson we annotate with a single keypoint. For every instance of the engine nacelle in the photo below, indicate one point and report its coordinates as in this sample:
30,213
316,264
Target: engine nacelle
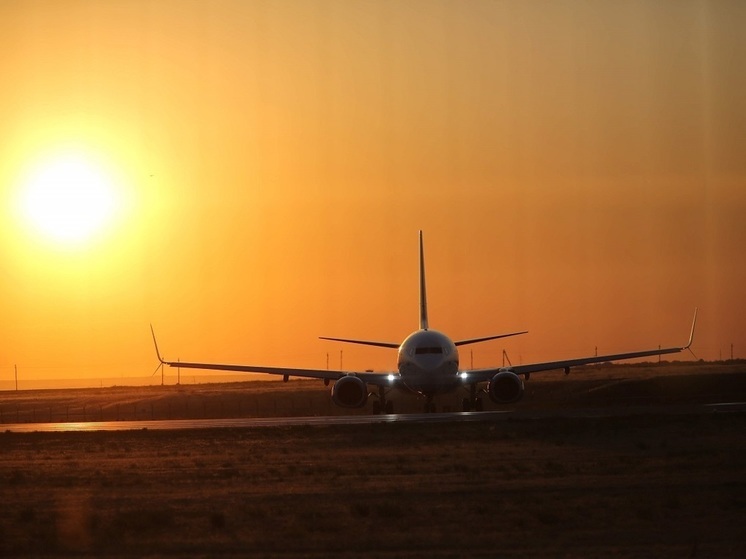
505,387
350,392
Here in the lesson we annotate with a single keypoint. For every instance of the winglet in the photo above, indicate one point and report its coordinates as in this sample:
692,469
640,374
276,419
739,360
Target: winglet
155,343
691,334
423,294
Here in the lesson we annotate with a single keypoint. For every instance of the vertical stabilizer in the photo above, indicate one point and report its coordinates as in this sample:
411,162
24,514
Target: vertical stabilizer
423,294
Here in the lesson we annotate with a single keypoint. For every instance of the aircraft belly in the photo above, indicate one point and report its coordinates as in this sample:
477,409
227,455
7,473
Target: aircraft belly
431,381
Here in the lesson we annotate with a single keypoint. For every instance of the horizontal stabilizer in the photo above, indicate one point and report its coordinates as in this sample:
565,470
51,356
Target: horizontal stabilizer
477,340
362,342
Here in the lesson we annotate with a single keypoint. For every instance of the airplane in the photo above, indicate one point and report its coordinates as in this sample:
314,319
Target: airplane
428,365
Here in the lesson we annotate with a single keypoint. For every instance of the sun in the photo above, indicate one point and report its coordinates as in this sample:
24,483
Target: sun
69,198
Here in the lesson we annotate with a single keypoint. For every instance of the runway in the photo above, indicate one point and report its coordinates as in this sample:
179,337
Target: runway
258,422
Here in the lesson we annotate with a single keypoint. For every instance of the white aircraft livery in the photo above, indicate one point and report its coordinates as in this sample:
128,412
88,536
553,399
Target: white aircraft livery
428,365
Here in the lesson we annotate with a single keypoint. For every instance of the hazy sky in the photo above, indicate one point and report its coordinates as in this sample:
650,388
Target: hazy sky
578,168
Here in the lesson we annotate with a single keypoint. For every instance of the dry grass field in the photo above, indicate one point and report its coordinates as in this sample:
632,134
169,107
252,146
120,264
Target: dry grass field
637,486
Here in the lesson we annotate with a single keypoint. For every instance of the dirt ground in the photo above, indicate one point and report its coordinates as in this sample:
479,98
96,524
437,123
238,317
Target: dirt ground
637,486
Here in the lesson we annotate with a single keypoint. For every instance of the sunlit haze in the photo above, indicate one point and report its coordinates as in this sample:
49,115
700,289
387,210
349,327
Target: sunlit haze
248,176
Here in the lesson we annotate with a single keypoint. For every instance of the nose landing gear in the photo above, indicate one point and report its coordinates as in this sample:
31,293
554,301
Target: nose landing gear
430,405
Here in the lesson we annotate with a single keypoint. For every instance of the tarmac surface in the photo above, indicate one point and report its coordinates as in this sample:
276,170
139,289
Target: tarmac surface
253,422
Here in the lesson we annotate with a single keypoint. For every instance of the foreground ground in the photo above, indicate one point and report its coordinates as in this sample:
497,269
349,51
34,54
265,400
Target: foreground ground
619,487
639,486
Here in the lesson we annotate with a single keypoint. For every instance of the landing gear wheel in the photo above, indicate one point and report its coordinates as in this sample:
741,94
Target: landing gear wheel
429,407
389,407
478,405
376,407
466,404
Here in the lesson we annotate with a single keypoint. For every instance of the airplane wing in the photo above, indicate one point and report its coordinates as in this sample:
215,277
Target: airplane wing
378,379
481,375
396,346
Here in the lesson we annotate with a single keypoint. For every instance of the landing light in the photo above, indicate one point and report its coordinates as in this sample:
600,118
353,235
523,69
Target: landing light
463,375
391,378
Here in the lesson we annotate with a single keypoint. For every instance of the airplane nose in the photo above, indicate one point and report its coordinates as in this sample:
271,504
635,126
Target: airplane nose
429,362
433,373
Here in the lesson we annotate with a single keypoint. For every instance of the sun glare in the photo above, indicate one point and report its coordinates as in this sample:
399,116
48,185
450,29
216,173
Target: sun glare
69,199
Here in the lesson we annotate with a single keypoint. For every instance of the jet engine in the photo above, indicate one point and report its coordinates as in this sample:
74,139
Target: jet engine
505,388
350,392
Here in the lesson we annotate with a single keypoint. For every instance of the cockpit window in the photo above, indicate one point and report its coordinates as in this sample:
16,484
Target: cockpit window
424,350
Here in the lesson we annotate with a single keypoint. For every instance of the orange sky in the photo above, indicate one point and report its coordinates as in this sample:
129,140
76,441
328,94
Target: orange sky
578,169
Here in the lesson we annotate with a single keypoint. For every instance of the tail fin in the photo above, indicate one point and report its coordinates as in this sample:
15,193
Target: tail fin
423,294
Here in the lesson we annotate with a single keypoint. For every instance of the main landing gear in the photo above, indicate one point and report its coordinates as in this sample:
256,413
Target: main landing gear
382,405
473,402
387,407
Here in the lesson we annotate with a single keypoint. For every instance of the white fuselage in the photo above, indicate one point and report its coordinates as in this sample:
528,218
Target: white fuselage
428,363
